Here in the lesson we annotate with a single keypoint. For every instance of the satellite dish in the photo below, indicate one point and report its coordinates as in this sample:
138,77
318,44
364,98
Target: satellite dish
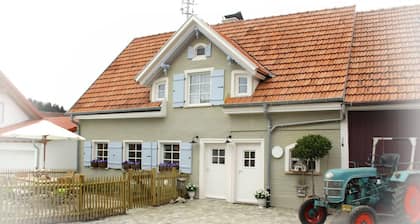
277,152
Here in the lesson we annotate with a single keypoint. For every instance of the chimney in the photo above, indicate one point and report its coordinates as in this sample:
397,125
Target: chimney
232,17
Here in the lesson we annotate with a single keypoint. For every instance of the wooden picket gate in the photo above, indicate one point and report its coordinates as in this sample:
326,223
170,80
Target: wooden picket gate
82,199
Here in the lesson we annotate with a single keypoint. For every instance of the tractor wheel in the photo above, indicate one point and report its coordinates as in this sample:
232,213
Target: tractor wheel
406,201
363,215
308,214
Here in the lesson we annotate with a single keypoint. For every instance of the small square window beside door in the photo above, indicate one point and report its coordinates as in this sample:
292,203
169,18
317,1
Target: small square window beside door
218,156
249,158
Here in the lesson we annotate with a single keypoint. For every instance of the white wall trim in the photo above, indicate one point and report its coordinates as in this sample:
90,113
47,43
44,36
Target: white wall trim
284,108
402,106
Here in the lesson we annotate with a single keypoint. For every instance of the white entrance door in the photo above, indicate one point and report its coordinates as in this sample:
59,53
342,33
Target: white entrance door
250,171
216,184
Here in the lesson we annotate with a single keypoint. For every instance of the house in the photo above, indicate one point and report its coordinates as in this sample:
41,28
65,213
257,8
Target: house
16,112
217,98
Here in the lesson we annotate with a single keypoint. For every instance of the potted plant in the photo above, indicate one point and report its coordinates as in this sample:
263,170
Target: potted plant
102,164
191,189
309,149
261,196
167,166
125,165
94,163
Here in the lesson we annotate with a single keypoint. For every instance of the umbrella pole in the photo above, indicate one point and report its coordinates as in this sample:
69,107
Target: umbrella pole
44,140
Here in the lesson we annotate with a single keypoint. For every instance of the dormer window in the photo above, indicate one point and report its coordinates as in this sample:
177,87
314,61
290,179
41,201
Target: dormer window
199,51
241,84
159,90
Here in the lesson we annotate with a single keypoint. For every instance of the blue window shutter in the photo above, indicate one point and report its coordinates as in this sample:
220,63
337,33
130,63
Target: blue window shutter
87,153
154,151
185,164
217,87
190,53
178,90
208,50
115,155
146,156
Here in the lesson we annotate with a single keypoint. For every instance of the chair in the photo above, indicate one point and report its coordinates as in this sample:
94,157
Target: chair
389,162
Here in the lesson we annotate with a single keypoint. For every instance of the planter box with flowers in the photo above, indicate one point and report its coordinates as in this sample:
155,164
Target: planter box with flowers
131,165
102,164
261,196
94,163
191,189
168,166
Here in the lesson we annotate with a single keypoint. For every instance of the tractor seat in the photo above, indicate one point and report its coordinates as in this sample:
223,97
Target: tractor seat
389,161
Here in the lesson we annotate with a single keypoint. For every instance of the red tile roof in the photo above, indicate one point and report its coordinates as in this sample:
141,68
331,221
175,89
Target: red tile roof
385,58
309,54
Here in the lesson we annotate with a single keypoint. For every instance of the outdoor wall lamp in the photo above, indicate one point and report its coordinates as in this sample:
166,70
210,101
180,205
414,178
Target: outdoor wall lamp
228,139
194,139
165,67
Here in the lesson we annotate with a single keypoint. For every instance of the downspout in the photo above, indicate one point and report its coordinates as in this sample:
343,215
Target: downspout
268,149
271,128
78,143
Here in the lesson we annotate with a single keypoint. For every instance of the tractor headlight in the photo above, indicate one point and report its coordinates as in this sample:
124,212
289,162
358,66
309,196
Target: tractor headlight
329,175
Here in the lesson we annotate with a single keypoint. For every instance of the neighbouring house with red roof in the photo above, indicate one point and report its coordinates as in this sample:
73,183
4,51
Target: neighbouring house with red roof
216,99
16,112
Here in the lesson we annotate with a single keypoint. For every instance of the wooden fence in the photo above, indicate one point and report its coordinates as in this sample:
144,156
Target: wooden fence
81,199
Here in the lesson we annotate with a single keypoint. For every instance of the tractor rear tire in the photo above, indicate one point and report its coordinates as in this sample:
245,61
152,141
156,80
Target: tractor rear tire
363,214
406,201
308,214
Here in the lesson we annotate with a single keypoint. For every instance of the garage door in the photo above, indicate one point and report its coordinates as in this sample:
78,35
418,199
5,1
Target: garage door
16,156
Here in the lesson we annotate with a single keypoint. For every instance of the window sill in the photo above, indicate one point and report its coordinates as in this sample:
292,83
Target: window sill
199,58
198,105
302,173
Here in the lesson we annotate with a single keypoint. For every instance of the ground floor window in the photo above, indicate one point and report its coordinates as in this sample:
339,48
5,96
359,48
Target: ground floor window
101,151
171,153
134,152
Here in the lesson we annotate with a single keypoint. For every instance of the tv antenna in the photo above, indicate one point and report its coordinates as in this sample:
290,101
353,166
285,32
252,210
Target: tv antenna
187,8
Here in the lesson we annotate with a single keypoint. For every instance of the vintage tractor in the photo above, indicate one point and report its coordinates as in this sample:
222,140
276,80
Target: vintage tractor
362,191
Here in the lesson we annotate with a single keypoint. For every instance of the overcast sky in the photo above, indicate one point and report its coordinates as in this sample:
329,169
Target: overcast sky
53,50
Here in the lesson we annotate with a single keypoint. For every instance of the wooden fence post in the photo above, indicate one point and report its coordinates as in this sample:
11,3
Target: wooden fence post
128,190
153,187
80,183
174,177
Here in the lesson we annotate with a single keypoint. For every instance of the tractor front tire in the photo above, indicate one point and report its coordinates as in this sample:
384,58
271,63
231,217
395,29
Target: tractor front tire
363,214
308,214
406,201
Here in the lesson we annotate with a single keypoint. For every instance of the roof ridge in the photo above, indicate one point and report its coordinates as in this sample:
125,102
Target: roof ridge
284,15
387,9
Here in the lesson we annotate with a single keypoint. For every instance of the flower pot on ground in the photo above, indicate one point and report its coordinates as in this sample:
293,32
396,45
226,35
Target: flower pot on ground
261,196
191,189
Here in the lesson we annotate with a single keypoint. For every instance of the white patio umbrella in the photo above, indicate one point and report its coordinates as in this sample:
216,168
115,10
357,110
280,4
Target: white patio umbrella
42,131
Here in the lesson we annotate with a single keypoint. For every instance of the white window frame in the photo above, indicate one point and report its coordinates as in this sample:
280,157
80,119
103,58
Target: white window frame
95,150
188,74
234,90
161,149
288,160
125,147
1,112
155,89
199,57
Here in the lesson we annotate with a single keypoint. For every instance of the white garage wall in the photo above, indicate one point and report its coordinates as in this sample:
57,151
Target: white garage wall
17,156
61,155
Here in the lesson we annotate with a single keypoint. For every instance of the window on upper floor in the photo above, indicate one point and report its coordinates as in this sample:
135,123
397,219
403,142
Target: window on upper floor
199,51
241,84
159,90
199,87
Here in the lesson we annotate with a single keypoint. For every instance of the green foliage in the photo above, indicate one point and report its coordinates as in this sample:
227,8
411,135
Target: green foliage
311,147
47,107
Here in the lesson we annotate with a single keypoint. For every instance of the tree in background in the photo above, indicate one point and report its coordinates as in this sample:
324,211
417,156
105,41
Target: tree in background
47,107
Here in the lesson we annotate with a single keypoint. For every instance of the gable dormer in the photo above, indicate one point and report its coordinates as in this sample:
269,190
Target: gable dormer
199,66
